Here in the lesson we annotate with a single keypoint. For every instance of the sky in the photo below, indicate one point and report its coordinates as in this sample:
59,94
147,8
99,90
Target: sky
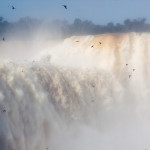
97,11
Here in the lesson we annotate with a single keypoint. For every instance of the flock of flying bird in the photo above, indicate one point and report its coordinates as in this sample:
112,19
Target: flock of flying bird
132,70
92,46
13,8
126,64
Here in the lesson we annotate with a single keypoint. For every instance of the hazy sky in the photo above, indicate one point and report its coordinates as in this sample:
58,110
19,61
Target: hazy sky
98,11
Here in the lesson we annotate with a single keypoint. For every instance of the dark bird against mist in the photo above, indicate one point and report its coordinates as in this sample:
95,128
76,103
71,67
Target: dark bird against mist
77,41
129,76
4,110
3,39
133,69
92,46
100,43
65,6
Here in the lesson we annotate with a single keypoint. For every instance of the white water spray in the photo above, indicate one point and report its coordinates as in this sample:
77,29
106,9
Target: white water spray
77,97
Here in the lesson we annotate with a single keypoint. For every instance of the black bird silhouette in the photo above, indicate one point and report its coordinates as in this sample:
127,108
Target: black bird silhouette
3,39
4,110
129,76
126,64
13,7
65,6
77,41
133,69
100,43
92,46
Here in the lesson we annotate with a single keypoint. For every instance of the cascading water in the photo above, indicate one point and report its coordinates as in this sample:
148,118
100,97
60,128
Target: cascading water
77,97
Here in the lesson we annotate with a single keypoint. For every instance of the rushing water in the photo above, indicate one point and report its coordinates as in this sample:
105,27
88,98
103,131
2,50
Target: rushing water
73,96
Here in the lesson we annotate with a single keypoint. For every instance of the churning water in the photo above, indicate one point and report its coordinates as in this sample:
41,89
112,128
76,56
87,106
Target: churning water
86,93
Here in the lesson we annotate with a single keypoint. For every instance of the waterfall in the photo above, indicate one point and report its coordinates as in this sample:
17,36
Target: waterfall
84,93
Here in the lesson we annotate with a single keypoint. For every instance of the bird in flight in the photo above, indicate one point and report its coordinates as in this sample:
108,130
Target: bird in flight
65,6
92,46
4,110
77,41
129,76
13,7
3,39
100,43
133,69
